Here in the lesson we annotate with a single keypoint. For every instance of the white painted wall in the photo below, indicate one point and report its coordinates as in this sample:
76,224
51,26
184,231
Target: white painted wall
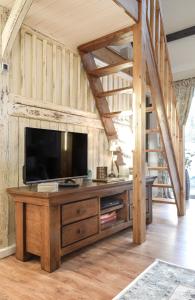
178,15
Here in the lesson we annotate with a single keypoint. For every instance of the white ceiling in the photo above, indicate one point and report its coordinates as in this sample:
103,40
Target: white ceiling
74,22
178,15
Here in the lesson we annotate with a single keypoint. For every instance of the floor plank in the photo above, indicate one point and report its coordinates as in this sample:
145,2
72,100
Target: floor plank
100,271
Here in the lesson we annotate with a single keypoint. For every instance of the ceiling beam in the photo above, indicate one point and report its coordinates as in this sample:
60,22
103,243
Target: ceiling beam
180,34
13,24
130,7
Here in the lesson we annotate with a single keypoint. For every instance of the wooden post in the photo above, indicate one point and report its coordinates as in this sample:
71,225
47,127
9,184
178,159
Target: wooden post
139,84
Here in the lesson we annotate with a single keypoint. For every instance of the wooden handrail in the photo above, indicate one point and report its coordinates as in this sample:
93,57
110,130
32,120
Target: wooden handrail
156,30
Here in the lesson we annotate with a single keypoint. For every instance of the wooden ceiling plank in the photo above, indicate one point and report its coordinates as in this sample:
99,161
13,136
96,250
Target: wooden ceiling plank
18,12
130,7
109,39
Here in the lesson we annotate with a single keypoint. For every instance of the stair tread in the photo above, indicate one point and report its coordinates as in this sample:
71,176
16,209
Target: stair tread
154,150
126,90
114,114
152,130
158,168
163,200
150,109
111,69
163,185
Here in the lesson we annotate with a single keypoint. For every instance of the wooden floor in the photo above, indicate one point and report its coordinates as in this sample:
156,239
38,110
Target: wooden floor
102,270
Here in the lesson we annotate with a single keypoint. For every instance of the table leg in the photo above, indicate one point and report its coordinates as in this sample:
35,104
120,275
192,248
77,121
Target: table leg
51,241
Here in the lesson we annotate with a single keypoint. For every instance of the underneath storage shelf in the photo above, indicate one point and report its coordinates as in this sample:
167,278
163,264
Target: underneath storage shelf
112,208
111,224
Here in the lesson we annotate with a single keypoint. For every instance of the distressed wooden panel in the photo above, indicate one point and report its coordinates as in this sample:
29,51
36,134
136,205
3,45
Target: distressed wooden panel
48,72
49,89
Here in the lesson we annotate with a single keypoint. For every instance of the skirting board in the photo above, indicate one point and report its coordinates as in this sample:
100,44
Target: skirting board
7,251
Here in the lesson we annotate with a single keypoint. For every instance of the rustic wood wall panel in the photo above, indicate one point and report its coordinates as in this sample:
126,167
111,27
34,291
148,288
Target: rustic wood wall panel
48,89
51,73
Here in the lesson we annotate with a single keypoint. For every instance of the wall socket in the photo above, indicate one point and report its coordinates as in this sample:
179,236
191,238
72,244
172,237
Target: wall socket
5,67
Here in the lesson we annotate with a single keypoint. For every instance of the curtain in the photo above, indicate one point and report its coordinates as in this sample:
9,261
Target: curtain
184,90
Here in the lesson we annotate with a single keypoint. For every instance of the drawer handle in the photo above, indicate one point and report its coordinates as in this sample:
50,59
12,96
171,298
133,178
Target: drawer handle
80,211
80,231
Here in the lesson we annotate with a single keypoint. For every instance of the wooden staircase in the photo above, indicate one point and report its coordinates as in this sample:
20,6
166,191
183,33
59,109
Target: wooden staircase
150,66
160,169
95,74
163,97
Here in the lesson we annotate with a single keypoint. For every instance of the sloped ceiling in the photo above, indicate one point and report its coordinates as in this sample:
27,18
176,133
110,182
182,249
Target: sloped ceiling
178,15
74,22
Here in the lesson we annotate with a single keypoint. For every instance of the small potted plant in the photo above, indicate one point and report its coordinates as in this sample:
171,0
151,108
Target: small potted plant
188,162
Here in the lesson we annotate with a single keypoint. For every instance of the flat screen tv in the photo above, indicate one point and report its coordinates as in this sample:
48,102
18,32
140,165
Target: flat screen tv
54,155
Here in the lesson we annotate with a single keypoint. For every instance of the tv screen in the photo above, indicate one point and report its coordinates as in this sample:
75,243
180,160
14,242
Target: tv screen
51,155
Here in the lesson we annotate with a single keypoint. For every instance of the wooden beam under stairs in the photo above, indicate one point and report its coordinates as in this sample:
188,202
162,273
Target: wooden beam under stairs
111,69
125,90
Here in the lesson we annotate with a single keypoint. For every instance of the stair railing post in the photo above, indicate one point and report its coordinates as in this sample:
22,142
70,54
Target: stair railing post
139,85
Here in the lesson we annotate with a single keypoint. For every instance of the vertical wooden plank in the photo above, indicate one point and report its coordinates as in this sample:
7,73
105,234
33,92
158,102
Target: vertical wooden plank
22,62
22,124
162,58
86,87
71,74
139,84
13,179
78,81
44,70
39,70
157,32
49,80
59,81
54,77
63,76
152,19
34,65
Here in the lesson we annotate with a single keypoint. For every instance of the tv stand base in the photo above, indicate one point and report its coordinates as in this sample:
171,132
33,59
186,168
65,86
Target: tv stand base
68,183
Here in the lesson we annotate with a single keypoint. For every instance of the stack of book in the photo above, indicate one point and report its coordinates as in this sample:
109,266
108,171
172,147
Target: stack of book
108,218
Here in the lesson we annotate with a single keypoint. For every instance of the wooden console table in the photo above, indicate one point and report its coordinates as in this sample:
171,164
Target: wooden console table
51,225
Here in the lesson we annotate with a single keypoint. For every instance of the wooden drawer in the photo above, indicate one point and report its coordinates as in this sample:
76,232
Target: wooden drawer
79,230
74,212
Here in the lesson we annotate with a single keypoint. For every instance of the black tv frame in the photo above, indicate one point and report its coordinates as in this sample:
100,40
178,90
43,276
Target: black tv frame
61,179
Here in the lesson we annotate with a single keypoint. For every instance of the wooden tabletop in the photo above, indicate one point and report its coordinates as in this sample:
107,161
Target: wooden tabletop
31,191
